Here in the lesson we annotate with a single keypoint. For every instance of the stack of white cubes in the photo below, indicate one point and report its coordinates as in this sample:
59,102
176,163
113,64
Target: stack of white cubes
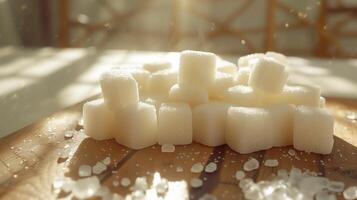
209,101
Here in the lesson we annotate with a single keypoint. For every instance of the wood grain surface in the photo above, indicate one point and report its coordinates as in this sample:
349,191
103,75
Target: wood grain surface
30,158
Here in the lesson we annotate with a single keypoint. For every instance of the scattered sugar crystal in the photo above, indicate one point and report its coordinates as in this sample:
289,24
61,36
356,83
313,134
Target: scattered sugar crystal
68,134
295,171
103,192
251,164
65,153
140,184
211,167
85,170
106,161
324,195
99,168
292,152
117,197
138,194
282,173
311,185
197,168
271,163
125,182
58,182
86,187
336,186
253,193
196,182
208,196
167,148
179,169
67,184
151,194
246,183
160,184
239,175
177,190
293,185
350,193
157,179
115,183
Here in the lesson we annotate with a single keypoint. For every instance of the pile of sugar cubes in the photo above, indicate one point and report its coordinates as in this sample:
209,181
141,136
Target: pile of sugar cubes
249,107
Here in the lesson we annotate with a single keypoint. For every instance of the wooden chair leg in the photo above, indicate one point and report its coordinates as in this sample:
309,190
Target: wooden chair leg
270,25
63,31
321,49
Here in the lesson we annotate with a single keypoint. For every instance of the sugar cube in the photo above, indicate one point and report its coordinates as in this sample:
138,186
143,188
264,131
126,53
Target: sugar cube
249,129
298,95
158,65
243,76
278,56
140,75
175,124
98,120
119,89
197,68
160,82
209,121
248,60
244,96
222,82
282,119
138,126
313,130
188,93
226,67
268,75
153,102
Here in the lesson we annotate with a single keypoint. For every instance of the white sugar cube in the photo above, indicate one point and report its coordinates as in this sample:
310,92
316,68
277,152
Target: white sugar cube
153,102
278,56
160,82
244,96
158,65
298,95
197,68
282,118
209,121
175,124
249,129
243,76
322,102
222,82
190,94
313,130
119,89
226,67
98,120
140,75
268,75
138,126
248,60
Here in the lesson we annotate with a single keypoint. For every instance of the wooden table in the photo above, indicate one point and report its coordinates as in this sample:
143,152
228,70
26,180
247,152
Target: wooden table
30,158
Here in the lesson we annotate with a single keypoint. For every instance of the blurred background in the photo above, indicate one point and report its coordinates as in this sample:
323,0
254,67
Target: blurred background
52,52
323,28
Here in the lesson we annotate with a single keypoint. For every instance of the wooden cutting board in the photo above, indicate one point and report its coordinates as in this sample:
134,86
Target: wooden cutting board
30,158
